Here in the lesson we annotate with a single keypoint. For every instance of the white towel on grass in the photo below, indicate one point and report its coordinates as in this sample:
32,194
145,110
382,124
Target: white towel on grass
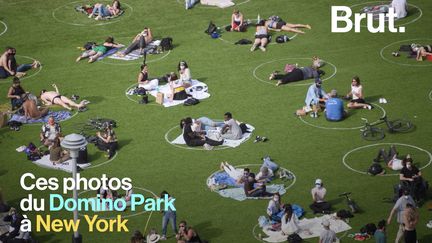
227,142
165,89
46,162
218,3
313,225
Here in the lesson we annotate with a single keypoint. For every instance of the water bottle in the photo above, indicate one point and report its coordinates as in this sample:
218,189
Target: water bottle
258,19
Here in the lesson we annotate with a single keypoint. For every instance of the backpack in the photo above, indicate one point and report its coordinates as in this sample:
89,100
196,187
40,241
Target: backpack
282,39
211,28
191,101
244,128
343,214
166,44
294,238
375,169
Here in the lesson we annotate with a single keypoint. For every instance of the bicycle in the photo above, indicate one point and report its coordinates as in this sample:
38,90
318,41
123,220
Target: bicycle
351,203
371,133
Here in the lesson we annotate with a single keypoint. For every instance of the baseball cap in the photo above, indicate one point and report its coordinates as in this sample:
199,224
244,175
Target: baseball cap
318,182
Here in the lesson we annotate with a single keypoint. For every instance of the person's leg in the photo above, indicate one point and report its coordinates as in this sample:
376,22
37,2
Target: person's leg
65,100
142,43
293,76
95,57
112,149
258,193
196,142
173,217
298,26
213,142
381,155
255,44
132,47
24,68
400,233
264,42
165,219
289,29
60,102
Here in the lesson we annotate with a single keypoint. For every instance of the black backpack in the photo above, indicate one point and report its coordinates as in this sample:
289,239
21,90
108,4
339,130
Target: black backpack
191,101
294,238
89,45
211,28
375,169
282,39
82,156
244,128
166,44
344,214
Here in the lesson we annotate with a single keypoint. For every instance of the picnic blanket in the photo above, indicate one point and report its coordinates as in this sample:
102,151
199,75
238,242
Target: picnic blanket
239,193
227,142
313,225
218,3
376,11
198,90
134,55
58,116
65,166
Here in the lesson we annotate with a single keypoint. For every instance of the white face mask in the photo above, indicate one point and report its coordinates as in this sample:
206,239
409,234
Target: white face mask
406,197
318,185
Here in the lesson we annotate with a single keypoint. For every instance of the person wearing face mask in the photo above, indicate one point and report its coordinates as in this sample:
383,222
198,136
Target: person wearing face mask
398,209
274,208
315,97
185,74
319,204
411,178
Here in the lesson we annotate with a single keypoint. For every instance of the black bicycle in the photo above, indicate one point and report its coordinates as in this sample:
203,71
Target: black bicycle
351,203
372,133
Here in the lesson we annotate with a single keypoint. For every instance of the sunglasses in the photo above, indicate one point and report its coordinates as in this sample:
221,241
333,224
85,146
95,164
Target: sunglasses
181,226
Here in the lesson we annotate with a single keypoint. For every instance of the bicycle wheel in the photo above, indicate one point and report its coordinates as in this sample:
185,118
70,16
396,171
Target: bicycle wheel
400,125
373,134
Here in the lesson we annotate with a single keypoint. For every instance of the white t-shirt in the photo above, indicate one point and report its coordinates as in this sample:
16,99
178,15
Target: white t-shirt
355,91
292,226
234,128
400,7
396,164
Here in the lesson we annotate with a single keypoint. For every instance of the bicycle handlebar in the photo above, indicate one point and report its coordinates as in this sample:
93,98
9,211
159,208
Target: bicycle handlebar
345,194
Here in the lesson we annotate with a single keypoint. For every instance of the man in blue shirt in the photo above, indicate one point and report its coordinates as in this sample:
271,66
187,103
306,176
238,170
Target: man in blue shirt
334,108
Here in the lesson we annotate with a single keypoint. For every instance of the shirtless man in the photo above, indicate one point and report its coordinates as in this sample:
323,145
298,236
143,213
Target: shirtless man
31,110
9,66
55,98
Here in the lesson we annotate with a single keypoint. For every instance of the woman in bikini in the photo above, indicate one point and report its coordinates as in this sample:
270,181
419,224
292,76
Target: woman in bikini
276,23
55,98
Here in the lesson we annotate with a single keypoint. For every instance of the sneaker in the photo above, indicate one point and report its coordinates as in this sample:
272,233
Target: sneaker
429,225
208,146
264,139
163,237
257,139
384,101
262,48
369,107
314,115
253,48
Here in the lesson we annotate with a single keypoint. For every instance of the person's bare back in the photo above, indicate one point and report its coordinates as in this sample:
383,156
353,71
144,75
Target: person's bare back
31,110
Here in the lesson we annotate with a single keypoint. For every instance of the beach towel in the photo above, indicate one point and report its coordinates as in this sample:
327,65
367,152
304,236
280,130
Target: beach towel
197,93
218,3
58,116
313,225
239,194
376,11
65,166
134,55
227,142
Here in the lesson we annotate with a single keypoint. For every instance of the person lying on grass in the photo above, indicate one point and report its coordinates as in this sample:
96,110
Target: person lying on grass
99,50
140,41
9,66
390,158
356,95
105,11
55,98
295,73
261,36
422,53
194,139
276,23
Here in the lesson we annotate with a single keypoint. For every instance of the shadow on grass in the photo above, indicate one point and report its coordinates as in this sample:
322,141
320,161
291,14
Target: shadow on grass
94,99
3,172
46,238
206,231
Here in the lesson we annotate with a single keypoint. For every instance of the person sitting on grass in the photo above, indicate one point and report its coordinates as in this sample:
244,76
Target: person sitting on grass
275,207
315,97
290,222
57,154
99,50
55,98
50,132
319,204
265,175
194,139
140,41
187,234
14,219
252,189
261,36
421,53
144,80
334,108
9,66
105,11
276,23
107,140
356,95
178,90
237,22
411,179
31,111
327,235
298,73
231,130
185,74
16,91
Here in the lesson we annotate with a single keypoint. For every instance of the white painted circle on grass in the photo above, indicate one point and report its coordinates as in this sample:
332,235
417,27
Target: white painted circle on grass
291,84
184,146
258,165
103,163
123,216
26,76
344,128
96,22
5,27
135,62
430,95
419,64
383,144
396,25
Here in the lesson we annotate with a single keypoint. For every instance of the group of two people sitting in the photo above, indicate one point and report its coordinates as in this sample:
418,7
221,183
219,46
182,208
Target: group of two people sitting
208,133
101,11
9,66
27,103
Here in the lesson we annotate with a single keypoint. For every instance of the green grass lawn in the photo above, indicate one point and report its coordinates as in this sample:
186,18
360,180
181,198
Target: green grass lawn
51,31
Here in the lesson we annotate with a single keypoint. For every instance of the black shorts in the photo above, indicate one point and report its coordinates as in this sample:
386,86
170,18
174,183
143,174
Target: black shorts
280,24
361,101
261,36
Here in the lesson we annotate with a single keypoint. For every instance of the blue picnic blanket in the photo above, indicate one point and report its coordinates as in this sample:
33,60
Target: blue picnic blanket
58,116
